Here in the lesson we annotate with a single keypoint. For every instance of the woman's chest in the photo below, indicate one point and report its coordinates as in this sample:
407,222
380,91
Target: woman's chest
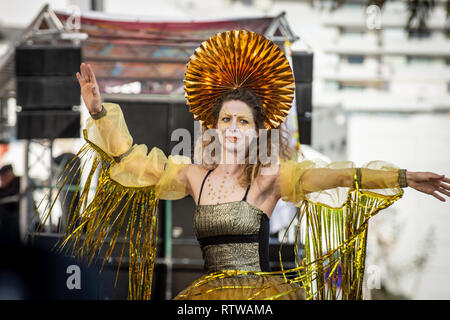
233,218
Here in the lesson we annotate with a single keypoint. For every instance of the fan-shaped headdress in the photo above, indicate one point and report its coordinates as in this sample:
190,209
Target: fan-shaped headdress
239,59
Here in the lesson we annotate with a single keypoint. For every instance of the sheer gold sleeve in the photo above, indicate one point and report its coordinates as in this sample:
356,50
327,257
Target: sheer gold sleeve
330,184
110,132
133,166
170,186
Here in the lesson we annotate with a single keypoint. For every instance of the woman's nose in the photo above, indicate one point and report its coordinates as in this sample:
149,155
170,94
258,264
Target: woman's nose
233,124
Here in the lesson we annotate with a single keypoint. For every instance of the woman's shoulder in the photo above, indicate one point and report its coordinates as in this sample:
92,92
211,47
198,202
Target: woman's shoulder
194,170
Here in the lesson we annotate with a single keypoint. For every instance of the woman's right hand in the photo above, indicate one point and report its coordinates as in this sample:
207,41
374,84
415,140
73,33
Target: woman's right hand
89,88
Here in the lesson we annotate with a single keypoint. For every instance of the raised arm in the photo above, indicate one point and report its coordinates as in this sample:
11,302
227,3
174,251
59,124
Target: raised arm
133,166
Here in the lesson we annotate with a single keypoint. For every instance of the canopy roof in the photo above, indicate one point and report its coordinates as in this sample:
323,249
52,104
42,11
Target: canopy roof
134,56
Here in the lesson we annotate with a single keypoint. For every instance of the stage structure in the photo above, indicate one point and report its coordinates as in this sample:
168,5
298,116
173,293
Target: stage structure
37,71
140,64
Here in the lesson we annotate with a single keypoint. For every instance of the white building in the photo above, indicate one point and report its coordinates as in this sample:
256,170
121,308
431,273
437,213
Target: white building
394,92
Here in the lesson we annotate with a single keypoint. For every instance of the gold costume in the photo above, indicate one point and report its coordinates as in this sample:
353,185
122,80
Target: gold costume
335,201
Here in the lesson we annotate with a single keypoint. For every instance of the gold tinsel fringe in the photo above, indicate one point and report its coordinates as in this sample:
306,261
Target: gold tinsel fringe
95,227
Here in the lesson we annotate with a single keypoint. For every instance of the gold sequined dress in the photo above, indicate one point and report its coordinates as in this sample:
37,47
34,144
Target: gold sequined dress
335,202
235,236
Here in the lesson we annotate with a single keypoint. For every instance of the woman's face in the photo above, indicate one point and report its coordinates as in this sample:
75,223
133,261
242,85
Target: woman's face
236,126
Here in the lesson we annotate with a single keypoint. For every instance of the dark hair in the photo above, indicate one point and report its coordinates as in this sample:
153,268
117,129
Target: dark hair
251,171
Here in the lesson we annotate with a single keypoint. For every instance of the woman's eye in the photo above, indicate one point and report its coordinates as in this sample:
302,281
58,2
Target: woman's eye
225,119
243,121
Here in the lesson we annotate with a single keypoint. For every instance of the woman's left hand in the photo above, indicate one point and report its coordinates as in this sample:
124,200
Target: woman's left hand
430,183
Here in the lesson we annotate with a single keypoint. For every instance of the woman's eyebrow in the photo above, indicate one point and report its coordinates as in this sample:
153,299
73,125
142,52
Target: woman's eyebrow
246,116
229,114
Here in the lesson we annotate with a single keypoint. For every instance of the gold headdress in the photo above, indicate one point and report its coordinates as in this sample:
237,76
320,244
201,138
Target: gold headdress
239,59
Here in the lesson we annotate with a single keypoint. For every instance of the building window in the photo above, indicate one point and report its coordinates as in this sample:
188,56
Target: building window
352,4
353,59
394,60
351,86
352,32
424,34
245,2
394,34
419,60
331,85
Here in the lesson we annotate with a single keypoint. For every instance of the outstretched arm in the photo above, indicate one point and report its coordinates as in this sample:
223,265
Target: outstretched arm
426,182
300,178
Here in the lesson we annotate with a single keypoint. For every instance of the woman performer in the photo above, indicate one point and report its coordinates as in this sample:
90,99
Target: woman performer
240,85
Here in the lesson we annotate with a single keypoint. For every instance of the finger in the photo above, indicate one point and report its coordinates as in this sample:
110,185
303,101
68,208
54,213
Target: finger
444,185
84,72
91,73
80,80
444,191
437,196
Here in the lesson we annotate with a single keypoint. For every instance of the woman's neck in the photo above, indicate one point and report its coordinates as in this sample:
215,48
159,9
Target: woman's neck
231,158
231,169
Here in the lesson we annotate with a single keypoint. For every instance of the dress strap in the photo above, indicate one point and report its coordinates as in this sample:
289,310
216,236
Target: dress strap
246,192
201,188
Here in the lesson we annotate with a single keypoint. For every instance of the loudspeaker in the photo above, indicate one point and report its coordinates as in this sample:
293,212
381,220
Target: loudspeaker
183,217
302,63
49,124
147,123
47,89
304,128
47,92
47,61
46,76
181,118
152,124
303,97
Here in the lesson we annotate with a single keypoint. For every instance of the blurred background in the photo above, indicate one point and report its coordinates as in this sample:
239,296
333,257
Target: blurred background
372,83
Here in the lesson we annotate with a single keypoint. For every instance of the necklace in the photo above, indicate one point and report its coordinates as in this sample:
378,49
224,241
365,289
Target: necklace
218,193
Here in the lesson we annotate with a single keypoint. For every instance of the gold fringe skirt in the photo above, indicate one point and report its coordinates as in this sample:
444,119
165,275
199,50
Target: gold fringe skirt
242,287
